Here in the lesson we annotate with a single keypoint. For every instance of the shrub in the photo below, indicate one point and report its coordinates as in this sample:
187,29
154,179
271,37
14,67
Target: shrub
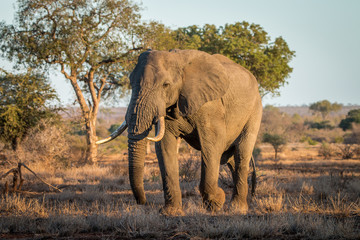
353,116
326,150
354,136
25,100
339,139
321,125
45,143
189,169
309,140
346,151
256,153
276,140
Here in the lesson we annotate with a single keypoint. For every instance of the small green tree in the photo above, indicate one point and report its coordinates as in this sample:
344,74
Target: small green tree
325,107
353,116
25,99
276,140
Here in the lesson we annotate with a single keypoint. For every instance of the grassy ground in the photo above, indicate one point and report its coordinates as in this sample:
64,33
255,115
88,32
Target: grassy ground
300,196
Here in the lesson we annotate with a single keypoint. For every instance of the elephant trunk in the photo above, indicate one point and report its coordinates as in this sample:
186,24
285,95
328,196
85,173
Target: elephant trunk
137,150
142,111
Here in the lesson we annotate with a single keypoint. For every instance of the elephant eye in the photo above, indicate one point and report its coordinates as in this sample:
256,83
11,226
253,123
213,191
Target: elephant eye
166,84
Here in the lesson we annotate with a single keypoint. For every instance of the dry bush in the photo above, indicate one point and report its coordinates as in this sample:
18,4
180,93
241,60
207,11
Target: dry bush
326,150
346,151
189,168
307,188
152,174
354,136
45,144
272,203
325,135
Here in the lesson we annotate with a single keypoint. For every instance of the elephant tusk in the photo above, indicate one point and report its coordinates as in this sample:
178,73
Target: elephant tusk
115,134
160,131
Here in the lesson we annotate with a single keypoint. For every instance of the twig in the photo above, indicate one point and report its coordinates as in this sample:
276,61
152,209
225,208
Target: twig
11,170
59,190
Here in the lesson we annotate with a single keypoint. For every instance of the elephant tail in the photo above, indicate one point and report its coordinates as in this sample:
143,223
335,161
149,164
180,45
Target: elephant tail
253,177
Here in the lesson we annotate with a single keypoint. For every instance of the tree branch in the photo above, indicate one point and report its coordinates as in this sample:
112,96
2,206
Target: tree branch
118,59
40,178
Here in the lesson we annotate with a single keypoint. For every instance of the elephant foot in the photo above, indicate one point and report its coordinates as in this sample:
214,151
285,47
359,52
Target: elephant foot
171,211
141,201
239,206
215,202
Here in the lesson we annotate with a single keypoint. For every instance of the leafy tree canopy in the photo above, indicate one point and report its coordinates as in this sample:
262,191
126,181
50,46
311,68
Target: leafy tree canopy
325,107
93,43
25,99
353,116
246,44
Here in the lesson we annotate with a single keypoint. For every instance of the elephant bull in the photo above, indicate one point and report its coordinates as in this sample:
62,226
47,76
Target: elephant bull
211,102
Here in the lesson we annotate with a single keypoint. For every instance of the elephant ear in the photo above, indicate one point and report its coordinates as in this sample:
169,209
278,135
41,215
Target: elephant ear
205,80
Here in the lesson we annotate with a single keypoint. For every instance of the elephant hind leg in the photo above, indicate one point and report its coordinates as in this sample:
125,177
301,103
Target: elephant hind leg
242,156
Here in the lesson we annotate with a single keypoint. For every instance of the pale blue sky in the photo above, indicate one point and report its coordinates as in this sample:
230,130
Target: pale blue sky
324,33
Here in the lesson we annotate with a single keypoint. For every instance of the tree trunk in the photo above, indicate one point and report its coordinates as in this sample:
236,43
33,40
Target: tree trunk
91,138
89,113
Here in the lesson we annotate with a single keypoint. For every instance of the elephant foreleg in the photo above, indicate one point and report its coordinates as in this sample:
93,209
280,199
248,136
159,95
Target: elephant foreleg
212,137
166,151
243,153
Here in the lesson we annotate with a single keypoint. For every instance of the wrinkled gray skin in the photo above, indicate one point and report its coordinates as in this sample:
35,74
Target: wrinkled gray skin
210,102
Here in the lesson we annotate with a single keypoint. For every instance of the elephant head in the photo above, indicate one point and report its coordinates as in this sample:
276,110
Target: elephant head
185,79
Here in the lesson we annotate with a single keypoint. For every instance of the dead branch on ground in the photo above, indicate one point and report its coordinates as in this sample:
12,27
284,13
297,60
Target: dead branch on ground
18,179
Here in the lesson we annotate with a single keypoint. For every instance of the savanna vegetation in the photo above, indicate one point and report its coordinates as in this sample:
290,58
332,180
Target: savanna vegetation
56,183
310,190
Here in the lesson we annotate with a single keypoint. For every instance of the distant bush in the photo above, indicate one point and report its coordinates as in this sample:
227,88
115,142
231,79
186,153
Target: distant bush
325,107
308,140
320,125
339,139
354,136
326,150
276,140
353,116
347,151
256,153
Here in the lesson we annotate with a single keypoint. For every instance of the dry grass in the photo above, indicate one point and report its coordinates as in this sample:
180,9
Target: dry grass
296,198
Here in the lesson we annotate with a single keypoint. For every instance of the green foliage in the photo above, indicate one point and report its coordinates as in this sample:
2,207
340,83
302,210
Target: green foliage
325,107
24,100
256,153
156,36
309,140
246,44
86,39
320,125
93,43
274,139
339,139
353,116
113,127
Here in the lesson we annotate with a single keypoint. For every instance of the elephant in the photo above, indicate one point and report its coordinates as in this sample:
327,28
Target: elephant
209,101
